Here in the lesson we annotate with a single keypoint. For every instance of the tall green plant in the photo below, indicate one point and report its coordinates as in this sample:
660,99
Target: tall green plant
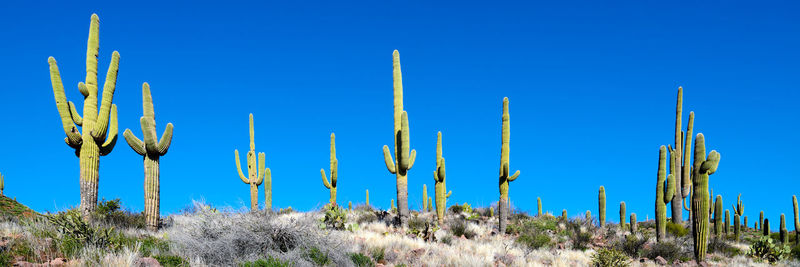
601,202
622,215
539,206
703,167
97,138
256,174
796,220
334,172
663,193
439,177
681,169
505,174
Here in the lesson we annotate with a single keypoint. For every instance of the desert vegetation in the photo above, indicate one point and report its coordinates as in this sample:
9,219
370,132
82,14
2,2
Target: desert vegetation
104,233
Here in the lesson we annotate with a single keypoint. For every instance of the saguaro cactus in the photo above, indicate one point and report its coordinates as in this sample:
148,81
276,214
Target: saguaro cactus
367,199
505,173
796,220
663,193
682,166
2,184
700,196
151,150
633,227
334,171
765,227
564,215
97,138
539,206
622,215
738,209
424,197
761,220
718,215
602,206
588,215
783,233
403,159
430,204
256,174
727,222
744,223
736,227
439,176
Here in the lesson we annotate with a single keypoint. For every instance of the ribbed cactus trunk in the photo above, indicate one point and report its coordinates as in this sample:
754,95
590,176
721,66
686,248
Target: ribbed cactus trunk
505,174
796,220
255,173
440,178
682,167
96,139
588,215
601,201
403,159
634,227
539,206
761,220
744,223
700,196
784,235
367,199
727,223
765,227
564,215
622,215
334,172
737,227
151,150
718,216
664,193
424,197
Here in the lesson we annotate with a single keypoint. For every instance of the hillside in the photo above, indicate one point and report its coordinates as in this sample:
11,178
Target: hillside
9,207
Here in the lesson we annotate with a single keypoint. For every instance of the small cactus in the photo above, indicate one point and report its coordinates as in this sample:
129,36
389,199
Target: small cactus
350,205
491,212
392,208
727,223
430,204
736,227
2,185
663,193
765,227
334,171
588,215
564,215
622,215
633,223
367,199
761,220
796,220
744,224
424,197
256,173
602,206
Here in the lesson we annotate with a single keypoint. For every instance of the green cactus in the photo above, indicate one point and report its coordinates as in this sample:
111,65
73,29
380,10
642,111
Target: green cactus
424,197
738,208
726,226
350,205
663,194
2,185
256,174
151,149
403,159
602,206
564,215
622,215
718,216
440,176
367,199
783,233
588,215
737,227
633,223
505,173
99,126
539,206
761,220
491,212
681,168
700,196
334,171
430,204
796,220
744,224
765,227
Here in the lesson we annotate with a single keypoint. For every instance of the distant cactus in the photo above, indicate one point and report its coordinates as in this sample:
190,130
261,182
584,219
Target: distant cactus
738,208
334,171
97,139
505,171
367,199
403,159
744,224
564,215
491,212
663,193
2,185
392,207
718,216
601,206
151,149
761,220
440,178
765,227
539,206
256,174
430,204
783,233
796,220
700,196
727,222
424,197
588,215
633,223
350,205
622,215
736,227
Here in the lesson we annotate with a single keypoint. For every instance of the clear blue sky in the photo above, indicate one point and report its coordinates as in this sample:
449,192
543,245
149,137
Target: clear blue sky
592,90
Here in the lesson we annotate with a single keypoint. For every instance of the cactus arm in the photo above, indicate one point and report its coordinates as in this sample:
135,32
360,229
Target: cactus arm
149,134
411,158
710,165
166,140
73,112
670,190
239,168
262,165
387,157
147,102
686,175
513,177
324,179
134,142
448,194
686,207
73,136
101,125
111,139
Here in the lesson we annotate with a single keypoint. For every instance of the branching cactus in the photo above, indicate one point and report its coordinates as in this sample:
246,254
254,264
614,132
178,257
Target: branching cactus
334,171
622,215
796,220
700,196
151,149
718,216
99,126
403,159
539,206
681,168
439,176
664,193
255,174
505,173
601,201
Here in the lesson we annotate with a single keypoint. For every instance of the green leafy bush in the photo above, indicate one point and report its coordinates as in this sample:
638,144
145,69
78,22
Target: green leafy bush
676,229
318,257
766,249
171,261
610,258
361,260
534,240
632,245
268,262
668,250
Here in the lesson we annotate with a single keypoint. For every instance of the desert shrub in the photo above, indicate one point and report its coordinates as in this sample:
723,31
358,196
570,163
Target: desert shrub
287,210
361,260
676,229
335,217
632,245
527,224
73,234
719,245
459,228
580,233
447,240
151,245
318,257
378,254
366,217
534,240
6,258
171,261
421,228
466,208
668,250
766,249
610,258
110,212
796,252
268,262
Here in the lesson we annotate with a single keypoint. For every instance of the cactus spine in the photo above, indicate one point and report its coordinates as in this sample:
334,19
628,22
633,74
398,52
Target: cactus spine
796,220
97,139
334,171
633,227
783,233
736,227
700,196
539,206
663,194
151,149
505,173
622,215
439,176
403,159
602,206
681,169
256,174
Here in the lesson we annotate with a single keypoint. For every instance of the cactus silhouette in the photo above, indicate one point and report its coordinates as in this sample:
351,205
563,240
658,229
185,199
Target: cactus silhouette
703,167
403,159
601,202
440,176
765,227
784,235
99,126
151,149
663,193
334,171
761,220
505,173
255,174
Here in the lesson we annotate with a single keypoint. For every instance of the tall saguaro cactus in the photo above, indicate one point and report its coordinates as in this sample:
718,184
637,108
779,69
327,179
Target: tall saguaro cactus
424,197
2,184
505,173
622,215
255,174
784,235
601,201
737,227
796,220
718,215
439,176
334,171
682,167
151,149
539,206
633,223
700,196
403,159
738,208
664,193
97,138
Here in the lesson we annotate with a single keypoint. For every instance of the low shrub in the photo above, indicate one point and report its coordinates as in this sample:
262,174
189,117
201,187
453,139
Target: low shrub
361,260
366,217
534,240
460,228
610,258
171,261
766,249
110,212
668,250
632,245
268,262
378,254
318,257
721,246
335,217
677,229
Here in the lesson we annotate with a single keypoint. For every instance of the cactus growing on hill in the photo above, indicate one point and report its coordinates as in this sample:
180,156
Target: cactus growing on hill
663,193
727,223
151,149
350,205
765,227
761,220
622,215
681,169
718,215
796,220
2,185
367,199
738,208
783,233
736,227
403,159
505,171
256,173
703,167
564,215
99,126
633,225
539,206
334,171
424,197
602,206
588,215
440,176
430,204
744,224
